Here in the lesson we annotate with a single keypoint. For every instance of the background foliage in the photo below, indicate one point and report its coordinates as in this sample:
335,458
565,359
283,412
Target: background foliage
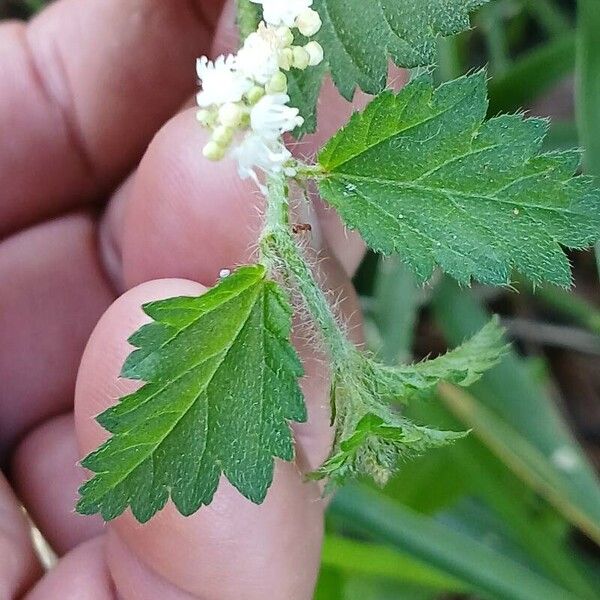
513,512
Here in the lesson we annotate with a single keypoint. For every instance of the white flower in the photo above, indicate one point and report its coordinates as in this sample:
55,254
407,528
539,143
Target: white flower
270,117
221,81
257,153
258,59
283,12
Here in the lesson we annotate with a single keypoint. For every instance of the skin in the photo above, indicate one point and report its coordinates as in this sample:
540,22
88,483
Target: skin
107,203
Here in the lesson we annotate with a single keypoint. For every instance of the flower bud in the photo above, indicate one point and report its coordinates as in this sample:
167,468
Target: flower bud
285,36
223,135
255,94
231,114
213,151
278,84
301,58
205,117
315,53
286,59
309,22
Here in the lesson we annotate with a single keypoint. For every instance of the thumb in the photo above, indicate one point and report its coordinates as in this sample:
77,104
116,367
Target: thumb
230,549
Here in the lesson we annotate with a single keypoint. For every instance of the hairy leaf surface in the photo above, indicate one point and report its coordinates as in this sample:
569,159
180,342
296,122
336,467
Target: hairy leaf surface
424,174
375,439
221,385
358,36
462,366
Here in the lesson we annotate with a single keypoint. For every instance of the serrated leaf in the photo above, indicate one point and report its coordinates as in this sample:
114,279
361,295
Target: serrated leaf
422,173
378,446
358,36
462,366
221,385
373,439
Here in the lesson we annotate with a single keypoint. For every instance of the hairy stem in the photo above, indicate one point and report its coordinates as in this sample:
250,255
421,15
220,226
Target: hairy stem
280,254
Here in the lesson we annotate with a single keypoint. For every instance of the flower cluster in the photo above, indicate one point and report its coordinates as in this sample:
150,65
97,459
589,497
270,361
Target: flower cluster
244,96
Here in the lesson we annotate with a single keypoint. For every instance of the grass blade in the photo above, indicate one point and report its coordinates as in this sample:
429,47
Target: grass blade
485,571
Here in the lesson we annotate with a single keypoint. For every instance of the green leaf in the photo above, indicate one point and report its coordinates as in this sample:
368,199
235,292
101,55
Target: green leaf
221,385
464,365
484,571
588,86
523,458
373,560
249,16
358,36
372,438
377,448
398,300
304,88
424,174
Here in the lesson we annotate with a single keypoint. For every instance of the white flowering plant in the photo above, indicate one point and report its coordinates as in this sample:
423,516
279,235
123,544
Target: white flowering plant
422,173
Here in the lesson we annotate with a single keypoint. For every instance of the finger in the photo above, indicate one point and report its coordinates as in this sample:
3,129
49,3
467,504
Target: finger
46,476
53,293
187,217
19,566
232,548
80,574
84,87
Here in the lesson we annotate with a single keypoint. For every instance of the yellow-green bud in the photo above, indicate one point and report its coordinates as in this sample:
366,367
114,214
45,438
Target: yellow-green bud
245,121
301,58
278,84
213,151
315,53
309,22
231,114
285,36
255,94
286,59
205,117
223,135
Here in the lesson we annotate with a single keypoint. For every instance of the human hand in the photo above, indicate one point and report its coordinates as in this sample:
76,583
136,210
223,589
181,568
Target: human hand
104,192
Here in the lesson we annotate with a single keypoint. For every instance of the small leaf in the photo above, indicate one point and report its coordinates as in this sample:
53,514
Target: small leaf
372,438
422,173
378,447
221,385
462,366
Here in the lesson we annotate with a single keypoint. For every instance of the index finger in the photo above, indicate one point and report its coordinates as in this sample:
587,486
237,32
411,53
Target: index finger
85,86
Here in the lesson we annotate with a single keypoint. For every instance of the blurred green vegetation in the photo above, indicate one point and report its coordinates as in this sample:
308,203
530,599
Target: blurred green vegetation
513,512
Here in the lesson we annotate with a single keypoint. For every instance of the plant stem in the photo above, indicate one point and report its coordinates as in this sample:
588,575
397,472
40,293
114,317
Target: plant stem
280,254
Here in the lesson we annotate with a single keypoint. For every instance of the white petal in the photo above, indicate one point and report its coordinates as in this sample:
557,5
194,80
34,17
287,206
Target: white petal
283,12
271,117
221,81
